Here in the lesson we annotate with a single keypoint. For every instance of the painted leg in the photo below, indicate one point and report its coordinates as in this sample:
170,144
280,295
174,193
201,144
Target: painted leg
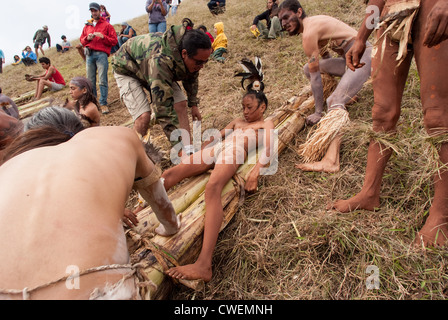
432,68
388,86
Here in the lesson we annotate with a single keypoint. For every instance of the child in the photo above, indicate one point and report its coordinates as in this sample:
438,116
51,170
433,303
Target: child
52,78
204,29
224,158
219,46
17,60
85,104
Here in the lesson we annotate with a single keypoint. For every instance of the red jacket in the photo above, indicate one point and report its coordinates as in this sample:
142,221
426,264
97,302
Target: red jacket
98,44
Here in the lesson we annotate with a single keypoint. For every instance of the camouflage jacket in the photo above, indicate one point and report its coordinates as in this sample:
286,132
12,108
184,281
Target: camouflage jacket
155,60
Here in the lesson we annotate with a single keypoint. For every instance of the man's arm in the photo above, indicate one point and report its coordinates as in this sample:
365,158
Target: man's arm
150,187
109,37
192,88
436,29
354,55
163,8
311,48
83,38
149,5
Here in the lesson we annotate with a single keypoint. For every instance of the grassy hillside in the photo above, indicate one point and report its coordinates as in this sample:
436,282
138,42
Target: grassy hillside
283,244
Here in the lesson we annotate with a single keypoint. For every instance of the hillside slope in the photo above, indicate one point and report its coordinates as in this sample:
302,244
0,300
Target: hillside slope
283,244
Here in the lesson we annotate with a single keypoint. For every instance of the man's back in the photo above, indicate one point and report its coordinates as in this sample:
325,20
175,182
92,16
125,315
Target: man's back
61,207
326,30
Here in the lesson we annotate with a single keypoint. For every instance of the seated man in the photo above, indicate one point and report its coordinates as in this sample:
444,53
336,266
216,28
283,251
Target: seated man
272,28
62,207
241,135
51,78
320,34
64,46
217,6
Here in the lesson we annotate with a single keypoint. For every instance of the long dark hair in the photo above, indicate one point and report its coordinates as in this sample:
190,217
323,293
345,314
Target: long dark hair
88,97
48,127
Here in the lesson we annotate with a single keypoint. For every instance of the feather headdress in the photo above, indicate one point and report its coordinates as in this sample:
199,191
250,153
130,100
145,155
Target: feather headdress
253,72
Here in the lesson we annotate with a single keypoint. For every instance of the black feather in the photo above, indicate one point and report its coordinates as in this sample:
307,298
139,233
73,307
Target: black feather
252,72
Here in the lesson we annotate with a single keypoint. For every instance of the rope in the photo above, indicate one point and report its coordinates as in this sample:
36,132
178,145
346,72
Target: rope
26,292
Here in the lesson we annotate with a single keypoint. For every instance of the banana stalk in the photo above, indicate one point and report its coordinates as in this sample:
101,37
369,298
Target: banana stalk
153,253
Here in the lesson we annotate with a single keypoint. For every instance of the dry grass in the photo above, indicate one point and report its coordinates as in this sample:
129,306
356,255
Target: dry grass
283,244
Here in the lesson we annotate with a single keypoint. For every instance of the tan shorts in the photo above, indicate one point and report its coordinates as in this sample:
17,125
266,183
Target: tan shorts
133,95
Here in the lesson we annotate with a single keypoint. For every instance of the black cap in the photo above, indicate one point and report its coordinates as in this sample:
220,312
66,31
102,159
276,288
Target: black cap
95,6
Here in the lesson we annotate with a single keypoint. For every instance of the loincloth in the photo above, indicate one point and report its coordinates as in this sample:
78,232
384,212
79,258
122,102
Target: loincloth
397,25
229,152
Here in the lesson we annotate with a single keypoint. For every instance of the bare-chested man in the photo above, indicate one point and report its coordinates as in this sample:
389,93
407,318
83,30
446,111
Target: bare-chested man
319,35
61,209
429,34
241,135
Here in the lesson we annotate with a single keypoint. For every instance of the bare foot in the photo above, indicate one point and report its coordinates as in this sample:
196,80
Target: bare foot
321,166
166,231
359,201
193,271
433,233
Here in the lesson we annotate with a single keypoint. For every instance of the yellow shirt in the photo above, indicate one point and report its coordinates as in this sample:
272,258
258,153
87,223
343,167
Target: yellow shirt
221,39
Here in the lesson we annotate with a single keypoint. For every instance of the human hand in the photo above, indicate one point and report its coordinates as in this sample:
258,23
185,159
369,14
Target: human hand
90,37
314,118
354,55
436,25
196,114
99,34
252,183
253,27
130,218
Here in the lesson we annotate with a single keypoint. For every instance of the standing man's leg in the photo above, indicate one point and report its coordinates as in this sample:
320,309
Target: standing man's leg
103,68
91,69
432,68
152,27
388,85
161,27
134,98
36,49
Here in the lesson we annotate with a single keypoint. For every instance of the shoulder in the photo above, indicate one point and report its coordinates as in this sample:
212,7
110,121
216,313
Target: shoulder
267,124
109,134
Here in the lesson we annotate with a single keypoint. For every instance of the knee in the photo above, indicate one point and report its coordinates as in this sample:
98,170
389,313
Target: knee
306,70
144,118
213,188
435,117
384,117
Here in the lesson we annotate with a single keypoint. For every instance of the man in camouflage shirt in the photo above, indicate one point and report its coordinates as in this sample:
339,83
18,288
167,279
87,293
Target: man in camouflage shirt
157,62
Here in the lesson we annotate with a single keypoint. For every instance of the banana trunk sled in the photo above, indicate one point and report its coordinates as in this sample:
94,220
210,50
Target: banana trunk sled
152,254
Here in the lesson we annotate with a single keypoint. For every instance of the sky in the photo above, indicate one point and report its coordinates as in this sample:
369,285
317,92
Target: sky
20,19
